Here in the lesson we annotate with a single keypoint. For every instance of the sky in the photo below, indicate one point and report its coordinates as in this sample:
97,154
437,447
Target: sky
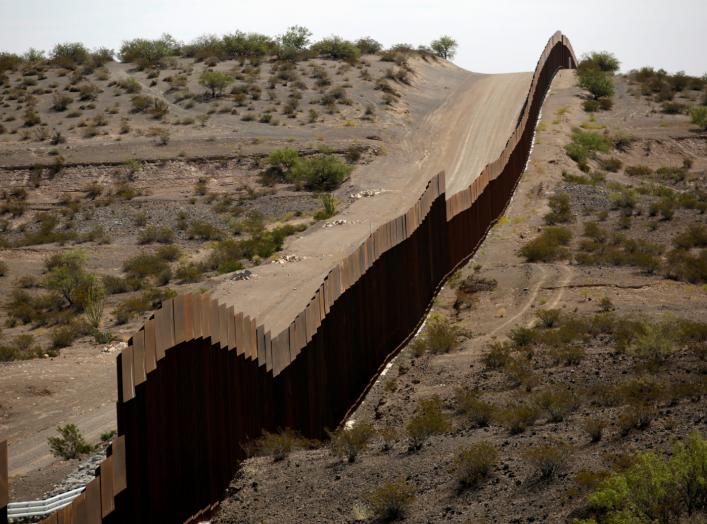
493,35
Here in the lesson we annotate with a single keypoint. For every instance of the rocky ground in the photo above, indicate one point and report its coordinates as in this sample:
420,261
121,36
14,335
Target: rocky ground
586,368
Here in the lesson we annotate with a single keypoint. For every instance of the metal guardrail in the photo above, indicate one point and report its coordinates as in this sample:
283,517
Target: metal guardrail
38,508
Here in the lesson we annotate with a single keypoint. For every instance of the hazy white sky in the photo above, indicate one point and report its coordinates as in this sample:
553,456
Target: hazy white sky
493,35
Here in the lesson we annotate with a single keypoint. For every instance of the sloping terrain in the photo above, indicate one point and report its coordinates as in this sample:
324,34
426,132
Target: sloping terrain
546,352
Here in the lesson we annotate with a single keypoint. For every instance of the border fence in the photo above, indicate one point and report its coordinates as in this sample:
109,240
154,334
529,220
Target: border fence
200,379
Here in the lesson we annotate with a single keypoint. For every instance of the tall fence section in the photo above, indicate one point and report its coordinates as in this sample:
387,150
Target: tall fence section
200,379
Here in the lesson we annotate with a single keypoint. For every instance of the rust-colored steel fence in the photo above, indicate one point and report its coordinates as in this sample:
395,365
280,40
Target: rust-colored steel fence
200,379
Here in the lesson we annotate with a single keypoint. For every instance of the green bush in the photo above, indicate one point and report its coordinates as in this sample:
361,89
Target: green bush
169,252
473,464
70,444
329,207
560,209
656,489
427,421
281,161
336,48
548,246
190,272
66,275
146,301
322,172
611,164
698,116
148,53
597,82
601,60
635,416
215,81
204,231
391,500
349,442
683,265
69,55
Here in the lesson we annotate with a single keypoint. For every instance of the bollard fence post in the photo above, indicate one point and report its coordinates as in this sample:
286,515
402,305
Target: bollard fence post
4,487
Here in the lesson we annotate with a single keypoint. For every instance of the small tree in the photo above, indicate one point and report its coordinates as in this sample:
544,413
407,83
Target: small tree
296,37
445,47
70,443
216,81
597,82
66,274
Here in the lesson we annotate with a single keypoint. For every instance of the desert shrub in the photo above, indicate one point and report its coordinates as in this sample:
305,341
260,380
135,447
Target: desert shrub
438,336
635,416
70,444
560,209
65,274
190,272
683,265
215,81
639,170
88,91
654,345
694,236
476,411
473,464
329,207
348,443
130,85
114,285
148,53
156,234
427,421
597,82
63,336
391,500
226,256
601,60
611,164
698,116
547,460
61,102
368,46
517,418
145,301
336,48
69,55
549,317
281,161
144,265
498,356
568,355
585,145
322,172
279,445
556,402
594,428
22,347
548,246
204,231
168,252
655,488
